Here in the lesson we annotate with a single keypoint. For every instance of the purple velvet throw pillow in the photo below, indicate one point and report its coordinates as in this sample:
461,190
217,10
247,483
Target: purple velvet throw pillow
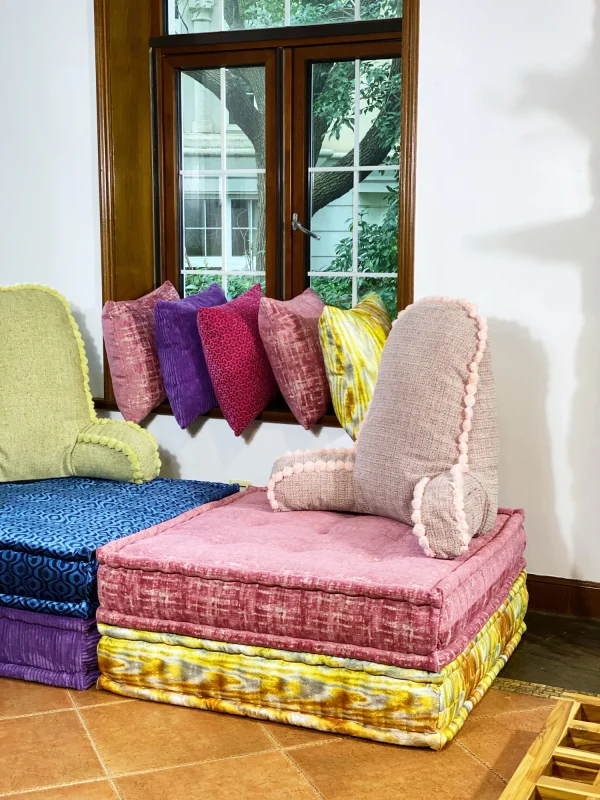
182,363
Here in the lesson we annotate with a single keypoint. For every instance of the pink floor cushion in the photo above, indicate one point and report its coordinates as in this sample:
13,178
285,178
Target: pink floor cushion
312,581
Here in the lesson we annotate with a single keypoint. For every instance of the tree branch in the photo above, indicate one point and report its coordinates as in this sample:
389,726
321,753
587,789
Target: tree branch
328,186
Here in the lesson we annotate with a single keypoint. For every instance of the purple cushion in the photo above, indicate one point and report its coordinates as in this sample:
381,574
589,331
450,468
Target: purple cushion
60,651
182,363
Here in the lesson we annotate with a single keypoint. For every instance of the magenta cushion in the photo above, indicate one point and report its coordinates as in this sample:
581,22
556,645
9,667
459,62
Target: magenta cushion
237,362
309,581
290,333
128,328
182,363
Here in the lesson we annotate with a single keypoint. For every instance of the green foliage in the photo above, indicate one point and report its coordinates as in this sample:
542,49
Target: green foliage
236,284
271,13
377,252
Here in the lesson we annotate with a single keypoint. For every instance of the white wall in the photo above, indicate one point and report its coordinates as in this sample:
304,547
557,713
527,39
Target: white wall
49,218
508,175
509,149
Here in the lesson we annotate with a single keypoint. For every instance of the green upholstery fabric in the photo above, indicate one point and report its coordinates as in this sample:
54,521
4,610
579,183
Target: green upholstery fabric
48,424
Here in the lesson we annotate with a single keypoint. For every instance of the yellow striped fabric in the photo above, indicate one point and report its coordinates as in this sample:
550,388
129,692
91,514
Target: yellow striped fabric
352,342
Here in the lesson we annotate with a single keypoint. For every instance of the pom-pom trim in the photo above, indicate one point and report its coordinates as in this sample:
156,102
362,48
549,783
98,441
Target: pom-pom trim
137,475
320,465
469,400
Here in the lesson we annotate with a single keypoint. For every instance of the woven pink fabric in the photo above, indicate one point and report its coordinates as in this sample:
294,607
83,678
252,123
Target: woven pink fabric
313,581
427,453
290,333
128,328
236,359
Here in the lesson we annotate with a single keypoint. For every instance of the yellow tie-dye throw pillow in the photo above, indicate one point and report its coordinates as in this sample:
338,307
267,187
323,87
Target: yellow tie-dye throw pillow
352,342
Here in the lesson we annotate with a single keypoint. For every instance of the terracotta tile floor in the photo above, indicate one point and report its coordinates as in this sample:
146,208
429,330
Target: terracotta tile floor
60,745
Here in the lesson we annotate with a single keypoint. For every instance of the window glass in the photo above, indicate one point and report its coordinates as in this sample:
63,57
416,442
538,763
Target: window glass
223,178
204,16
355,146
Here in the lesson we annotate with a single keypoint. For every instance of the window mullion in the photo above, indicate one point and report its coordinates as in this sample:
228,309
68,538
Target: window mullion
355,182
223,177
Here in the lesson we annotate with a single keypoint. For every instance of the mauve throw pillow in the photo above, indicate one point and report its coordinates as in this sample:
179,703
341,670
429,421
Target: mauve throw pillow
182,363
128,328
237,362
290,333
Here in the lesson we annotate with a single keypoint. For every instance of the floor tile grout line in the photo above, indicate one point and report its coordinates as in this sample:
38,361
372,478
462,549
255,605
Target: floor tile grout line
481,761
111,782
60,710
186,764
55,786
312,744
291,761
516,711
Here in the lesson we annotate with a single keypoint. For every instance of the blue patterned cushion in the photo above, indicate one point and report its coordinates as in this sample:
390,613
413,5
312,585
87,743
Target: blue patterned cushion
50,530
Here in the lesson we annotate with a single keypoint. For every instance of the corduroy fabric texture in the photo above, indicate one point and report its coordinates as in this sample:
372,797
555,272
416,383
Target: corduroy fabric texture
129,338
345,696
48,425
428,450
58,651
290,333
235,571
182,363
352,343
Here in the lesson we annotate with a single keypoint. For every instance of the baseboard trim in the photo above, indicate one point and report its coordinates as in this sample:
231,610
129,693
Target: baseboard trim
564,596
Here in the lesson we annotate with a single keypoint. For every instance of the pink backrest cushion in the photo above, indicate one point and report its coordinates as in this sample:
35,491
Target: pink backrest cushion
290,333
238,365
427,453
128,328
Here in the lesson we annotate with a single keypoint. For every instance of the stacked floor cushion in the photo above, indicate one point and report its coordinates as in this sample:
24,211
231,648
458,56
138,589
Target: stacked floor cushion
49,532
331,621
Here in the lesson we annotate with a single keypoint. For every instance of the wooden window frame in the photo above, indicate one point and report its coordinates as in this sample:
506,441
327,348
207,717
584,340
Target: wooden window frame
134,228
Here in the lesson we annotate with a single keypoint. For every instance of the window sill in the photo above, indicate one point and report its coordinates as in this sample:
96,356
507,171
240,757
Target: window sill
277,411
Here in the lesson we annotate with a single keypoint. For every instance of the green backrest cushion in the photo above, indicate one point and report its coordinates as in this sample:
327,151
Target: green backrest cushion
44,397
48,424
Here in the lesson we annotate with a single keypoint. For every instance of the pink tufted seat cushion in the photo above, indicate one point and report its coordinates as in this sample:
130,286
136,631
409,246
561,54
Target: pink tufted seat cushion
318,582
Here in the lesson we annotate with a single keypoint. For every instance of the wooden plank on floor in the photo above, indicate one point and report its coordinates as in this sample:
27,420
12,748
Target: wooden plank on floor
559,789
572,755
530,770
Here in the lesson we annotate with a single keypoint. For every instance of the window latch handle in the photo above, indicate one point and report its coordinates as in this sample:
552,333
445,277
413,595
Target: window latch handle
298,226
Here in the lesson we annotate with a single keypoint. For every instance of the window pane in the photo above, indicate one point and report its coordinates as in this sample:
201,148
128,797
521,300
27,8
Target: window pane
223,175
245,132
378,222
379,111
333,291
201,119
202,214
333,103
239,213
204,16
246,192
355,122
386,288
197,283
240,242
333,223
238,284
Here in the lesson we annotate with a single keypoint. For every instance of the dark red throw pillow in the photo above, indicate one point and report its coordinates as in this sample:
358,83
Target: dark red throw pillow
239,369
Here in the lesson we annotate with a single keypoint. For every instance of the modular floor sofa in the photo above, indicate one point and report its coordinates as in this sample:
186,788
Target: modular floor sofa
331,621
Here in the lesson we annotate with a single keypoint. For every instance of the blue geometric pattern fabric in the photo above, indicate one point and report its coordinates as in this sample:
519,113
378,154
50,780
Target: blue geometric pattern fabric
50,530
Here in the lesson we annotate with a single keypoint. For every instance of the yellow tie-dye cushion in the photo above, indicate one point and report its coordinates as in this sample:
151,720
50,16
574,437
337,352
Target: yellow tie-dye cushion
352,342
